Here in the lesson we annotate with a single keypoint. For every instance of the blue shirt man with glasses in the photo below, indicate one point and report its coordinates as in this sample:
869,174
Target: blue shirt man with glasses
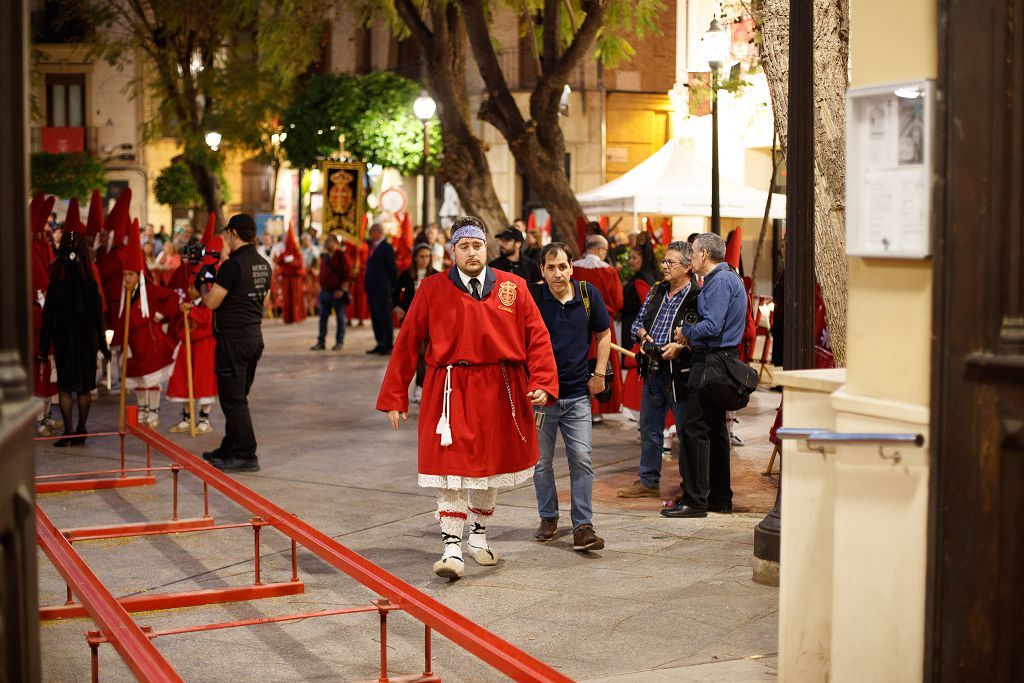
572,311
665,365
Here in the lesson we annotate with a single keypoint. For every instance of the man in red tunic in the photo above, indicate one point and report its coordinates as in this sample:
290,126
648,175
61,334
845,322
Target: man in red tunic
150,350
592,268
203,350
489,360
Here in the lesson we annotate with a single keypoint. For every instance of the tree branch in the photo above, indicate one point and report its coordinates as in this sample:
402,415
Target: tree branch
501,110
546,94
419,30
552,36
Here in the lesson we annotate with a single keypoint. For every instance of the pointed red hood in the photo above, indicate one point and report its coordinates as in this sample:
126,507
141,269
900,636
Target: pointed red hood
291,247
211,230
732,249
117,219
42,213
134,261
33,209
73,220
95,222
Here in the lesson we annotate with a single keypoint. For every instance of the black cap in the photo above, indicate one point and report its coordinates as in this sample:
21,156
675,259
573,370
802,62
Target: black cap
510,233
243,225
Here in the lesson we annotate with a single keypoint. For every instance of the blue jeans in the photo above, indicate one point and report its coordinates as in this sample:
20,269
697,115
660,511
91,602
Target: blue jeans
573,416
655,402
328,303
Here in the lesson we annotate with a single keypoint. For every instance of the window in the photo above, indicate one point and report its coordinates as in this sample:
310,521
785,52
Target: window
65,100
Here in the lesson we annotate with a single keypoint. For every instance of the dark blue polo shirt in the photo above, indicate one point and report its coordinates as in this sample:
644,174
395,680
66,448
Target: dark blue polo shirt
570,332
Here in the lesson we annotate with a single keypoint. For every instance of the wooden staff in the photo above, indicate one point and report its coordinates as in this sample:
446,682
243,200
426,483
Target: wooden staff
188,369
128,291
623,351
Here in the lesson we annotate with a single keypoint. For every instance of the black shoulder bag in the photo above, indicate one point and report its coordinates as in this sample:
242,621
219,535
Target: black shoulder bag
605,395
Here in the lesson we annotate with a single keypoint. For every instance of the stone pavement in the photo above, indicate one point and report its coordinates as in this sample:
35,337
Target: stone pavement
667,600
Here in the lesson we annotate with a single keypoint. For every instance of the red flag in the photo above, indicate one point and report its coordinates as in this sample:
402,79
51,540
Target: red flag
666,231
649,227
531,222
603,222
547,227
732,249
581,232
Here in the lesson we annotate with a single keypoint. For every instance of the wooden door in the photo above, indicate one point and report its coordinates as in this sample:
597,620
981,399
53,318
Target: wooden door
976,556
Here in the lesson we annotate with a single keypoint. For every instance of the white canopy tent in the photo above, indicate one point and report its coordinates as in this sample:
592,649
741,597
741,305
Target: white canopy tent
672,182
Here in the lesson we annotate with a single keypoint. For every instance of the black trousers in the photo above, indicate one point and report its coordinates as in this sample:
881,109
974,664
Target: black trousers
380,317
235,362
707,478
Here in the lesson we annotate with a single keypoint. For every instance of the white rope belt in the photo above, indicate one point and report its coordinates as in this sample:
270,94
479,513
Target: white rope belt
444,426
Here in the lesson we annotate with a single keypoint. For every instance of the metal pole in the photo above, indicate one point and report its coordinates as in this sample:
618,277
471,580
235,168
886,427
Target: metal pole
716,218
426,155
799,301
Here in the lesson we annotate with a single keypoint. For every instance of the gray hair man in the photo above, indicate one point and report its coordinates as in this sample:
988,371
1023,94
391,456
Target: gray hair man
722,312
596,252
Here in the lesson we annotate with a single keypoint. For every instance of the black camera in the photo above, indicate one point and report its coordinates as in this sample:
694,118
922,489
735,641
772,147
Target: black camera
652,352
195,251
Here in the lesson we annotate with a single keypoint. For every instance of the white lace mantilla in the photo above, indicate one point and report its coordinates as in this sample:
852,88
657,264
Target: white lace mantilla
454,481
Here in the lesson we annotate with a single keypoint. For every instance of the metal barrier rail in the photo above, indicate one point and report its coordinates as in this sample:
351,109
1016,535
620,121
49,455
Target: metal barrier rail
473,638
134,646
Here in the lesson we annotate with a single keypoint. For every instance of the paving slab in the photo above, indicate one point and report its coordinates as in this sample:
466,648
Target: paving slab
666,600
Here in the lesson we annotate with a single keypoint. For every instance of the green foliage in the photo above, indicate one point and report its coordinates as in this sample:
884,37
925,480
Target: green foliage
175,186
373,112
67,175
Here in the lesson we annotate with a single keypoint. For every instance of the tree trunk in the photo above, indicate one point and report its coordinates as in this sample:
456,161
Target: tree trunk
209,187
544,169
831,57
465,165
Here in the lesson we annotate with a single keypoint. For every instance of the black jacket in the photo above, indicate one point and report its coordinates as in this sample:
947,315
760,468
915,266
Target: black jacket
679,369
381,271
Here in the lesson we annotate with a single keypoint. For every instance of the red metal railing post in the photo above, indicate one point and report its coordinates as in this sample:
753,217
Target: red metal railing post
295,560
427,665
382,607
149,458
256,524
206,499
175,468
94,654
121,437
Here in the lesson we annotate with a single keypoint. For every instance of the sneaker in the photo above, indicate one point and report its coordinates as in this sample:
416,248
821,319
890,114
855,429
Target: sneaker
179,428
546,530
597,419
584,539
317,347
639,490
236,464
734,439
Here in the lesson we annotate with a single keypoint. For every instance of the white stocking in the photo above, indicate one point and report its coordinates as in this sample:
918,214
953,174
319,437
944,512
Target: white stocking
451,513
154,399
481,507
142,401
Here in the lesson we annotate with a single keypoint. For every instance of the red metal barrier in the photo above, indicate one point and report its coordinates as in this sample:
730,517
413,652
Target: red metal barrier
497,652
134,646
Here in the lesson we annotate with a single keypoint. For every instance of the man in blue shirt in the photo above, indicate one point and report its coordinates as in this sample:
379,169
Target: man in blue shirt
722,309
564,304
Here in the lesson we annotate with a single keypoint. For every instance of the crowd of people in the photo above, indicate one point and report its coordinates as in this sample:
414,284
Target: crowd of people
553,346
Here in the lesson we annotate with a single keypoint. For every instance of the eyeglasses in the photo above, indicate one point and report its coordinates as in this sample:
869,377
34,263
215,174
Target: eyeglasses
667,262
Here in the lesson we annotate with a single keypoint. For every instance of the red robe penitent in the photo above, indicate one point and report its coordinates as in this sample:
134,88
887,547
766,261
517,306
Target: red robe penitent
475,338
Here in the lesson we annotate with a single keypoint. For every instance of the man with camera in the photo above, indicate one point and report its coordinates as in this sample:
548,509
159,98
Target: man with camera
572,311
235,293
722,308
664,365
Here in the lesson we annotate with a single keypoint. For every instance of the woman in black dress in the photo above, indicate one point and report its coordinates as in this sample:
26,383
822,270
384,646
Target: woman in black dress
645,267
408,282
73,323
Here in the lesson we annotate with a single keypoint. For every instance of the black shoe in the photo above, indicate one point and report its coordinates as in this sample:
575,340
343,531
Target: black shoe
375,349
68,440
236,464
78,440
720,508
215,454
317,347
385,352
337,347
677,511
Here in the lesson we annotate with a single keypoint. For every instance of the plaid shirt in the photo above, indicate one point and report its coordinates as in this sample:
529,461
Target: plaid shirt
661,330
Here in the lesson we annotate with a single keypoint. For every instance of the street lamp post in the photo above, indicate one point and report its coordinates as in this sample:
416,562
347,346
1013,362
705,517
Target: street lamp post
715,48
424,108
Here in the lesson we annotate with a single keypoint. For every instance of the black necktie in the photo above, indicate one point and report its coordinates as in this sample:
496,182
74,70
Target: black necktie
475,284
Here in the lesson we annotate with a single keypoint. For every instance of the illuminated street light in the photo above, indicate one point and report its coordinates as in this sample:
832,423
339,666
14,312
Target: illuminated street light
715,50
424,108
213,139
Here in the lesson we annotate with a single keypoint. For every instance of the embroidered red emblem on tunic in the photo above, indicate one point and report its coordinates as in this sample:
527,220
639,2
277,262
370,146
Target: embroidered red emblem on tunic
507,293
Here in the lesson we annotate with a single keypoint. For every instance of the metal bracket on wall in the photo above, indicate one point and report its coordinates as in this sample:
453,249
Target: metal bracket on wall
817,439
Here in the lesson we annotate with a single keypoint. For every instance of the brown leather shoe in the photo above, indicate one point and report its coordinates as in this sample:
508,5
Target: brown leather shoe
639,490
546,530
584,539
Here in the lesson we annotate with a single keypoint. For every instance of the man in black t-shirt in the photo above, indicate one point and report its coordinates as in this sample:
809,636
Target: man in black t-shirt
512,260
236,295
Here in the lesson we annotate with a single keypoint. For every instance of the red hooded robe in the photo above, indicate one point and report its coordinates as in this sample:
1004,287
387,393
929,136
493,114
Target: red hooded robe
291,277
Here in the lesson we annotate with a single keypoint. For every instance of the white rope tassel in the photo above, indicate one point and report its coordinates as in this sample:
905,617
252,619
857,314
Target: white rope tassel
444,427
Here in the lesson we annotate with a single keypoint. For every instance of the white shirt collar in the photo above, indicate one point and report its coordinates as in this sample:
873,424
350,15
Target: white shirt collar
466,278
